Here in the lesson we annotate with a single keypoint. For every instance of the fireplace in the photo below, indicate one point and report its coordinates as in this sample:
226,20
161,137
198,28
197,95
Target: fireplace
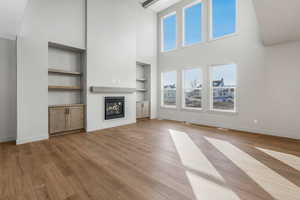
114,107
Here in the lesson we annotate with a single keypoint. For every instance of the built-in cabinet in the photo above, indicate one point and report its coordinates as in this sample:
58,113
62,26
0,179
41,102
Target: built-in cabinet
65,86
143,90
64,118
142,109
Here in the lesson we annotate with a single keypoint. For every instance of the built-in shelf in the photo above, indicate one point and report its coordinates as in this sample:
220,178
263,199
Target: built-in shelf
63,72
141,79
65,47
56,87
65,105
141,90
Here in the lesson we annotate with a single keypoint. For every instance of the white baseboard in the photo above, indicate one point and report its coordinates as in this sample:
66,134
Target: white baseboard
7,139
32,139
288,134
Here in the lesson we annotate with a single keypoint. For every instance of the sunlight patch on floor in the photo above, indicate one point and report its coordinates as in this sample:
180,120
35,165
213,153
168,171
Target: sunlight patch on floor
205,180
276,185
291,160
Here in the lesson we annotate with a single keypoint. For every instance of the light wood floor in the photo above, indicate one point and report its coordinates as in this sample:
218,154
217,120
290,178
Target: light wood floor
153,160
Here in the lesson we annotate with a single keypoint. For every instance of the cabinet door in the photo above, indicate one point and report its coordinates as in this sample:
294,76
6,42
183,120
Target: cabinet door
75,118
146,112
57,120
139,110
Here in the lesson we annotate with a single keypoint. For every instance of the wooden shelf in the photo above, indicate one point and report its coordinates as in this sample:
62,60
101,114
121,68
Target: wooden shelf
56,87
63,72
141,90
65,47
66,105
141,79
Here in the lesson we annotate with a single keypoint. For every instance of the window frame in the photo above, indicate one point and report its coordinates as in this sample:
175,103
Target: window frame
211,90
162,90
210,9
201,19
183,89
162,32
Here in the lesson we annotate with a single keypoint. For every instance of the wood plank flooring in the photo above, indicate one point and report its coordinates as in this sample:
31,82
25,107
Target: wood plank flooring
152,160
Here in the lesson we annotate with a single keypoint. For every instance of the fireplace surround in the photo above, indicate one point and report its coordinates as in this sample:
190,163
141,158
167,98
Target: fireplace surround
114,107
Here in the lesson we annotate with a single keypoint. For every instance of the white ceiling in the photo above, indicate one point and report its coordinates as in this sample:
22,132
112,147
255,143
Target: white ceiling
11,12
279,20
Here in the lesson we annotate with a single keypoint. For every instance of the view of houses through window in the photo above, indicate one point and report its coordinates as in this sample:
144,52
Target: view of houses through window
192,88
223,84
169,80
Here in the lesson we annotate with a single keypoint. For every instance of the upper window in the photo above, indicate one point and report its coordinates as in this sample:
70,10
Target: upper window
223,88
192,18
192,88
168,90
169,32
223,17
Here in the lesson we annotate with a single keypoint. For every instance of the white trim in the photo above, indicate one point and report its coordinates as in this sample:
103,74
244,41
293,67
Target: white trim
162,32
210,26
168,107
201,19
192,109
183,88
32,139
211,92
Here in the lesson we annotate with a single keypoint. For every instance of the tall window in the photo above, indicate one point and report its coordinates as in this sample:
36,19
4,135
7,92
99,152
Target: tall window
169,32
168,95
223,87
192,88
223,17
192,18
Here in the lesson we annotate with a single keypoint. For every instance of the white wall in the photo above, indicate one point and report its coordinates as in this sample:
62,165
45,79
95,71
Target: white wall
8,90
258,72
61,21
282,67
114,43
111,57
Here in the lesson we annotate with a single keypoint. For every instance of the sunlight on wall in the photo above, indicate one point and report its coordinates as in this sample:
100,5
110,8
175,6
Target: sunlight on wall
276,185
288,159
205,180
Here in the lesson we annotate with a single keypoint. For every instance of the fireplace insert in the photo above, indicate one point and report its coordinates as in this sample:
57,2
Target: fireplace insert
114,107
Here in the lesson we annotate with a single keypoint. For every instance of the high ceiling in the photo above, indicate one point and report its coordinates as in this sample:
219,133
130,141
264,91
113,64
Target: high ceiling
279,20
11,12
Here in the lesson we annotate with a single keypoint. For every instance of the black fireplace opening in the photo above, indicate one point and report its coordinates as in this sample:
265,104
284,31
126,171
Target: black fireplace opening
114,107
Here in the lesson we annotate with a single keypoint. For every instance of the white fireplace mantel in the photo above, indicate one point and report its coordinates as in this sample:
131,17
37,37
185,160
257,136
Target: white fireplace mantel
95,89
